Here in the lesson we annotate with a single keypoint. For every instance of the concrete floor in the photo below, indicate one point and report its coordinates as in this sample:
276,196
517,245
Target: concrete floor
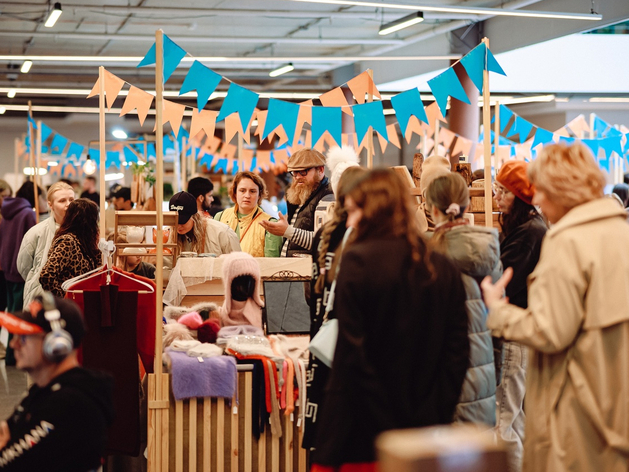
17,387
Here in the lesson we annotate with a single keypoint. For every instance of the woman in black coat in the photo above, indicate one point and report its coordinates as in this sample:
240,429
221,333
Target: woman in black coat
402,350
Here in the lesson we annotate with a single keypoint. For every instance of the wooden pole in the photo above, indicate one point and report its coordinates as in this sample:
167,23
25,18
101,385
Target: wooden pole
496,132
32,158
101,147
184,160
435,149
38,144
489,222
370,130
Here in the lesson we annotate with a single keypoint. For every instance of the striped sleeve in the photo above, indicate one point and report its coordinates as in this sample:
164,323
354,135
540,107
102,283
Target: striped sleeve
303,238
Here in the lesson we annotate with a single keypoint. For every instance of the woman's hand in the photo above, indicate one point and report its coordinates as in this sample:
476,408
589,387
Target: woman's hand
493,293
5,435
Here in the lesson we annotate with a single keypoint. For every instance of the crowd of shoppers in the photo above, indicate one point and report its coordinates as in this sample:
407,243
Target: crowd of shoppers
523,332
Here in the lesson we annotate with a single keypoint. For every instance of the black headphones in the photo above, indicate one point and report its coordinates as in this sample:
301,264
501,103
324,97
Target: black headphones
58,343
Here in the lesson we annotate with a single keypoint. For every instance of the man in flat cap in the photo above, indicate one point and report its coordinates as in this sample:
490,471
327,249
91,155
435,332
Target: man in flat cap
309,186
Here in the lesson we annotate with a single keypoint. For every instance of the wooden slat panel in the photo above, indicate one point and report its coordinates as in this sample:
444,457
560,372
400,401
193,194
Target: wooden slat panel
179,436
220,435
192,436
152,443
275,453
164,422
248,419
207,434
234,435
262,451
287,436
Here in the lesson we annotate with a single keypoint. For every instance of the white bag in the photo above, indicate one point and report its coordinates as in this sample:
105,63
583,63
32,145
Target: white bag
323,344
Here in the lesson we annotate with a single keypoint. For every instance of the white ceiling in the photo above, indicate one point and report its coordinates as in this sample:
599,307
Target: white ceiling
257,30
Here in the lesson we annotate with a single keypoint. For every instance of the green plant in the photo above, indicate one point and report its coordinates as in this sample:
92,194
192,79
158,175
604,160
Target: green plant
147,170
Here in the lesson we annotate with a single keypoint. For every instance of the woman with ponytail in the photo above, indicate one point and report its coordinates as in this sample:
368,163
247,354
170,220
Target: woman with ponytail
402,350
326,247
475,250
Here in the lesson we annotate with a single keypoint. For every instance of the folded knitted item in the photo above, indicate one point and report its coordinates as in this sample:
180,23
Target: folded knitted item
183,346
253,346
192,320
204,309
231,331
294,346
205,350
214,377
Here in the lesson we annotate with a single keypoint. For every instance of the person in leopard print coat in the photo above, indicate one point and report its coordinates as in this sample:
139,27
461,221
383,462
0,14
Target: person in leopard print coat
74,250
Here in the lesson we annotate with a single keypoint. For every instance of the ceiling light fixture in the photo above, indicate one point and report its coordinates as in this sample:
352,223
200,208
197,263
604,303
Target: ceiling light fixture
31,171
119,134
26,66
3,110
401,23
11,93
54,16
90,166
470,10
114,176
282,70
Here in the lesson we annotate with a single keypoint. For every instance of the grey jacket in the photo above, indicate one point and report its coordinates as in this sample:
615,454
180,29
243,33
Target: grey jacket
32,256
475,250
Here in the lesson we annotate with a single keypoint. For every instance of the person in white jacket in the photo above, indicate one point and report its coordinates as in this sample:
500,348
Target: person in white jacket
34,248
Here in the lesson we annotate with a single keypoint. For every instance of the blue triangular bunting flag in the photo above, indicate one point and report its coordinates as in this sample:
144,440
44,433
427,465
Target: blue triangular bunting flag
592,144
369,114
284,114
542,136
444,85
173,54
201,79
521,127
505,116
129,155
206,160
45,132
58,144
326,119
407,104
75,150
474,62
240,100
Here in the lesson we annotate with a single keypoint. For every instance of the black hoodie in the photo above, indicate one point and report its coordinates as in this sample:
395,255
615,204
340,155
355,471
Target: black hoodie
61,427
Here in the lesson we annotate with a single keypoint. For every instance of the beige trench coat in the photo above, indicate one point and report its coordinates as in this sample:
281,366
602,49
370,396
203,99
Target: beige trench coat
577,324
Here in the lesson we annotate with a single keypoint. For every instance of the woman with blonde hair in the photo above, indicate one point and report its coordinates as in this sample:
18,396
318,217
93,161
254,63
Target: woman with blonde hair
402,349
247,191
475,250
36,243
577,321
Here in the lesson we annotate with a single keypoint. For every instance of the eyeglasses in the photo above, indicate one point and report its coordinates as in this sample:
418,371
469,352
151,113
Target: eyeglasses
302,173
499,190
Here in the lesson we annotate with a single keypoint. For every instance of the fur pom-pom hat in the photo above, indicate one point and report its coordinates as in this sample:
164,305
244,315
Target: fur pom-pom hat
234,265
338,159
433,167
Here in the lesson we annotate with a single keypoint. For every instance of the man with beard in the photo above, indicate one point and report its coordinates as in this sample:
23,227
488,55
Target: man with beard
202,189
309,186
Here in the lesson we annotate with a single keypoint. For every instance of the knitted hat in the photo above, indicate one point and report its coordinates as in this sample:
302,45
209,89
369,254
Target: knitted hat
208,331
433,167
235,264
184,204
305,159
513,176
339,159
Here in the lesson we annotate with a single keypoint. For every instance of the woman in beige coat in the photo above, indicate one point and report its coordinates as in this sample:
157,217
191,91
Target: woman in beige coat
576,323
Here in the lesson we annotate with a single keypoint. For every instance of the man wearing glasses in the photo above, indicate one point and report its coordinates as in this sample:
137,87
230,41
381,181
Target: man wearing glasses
309,186
62,423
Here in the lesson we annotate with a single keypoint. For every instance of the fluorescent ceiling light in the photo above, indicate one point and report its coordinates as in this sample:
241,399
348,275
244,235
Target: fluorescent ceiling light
3,110
275,60
31,171
401,23
119,134
609,100
54,16
470,10
26,66
11,93
116,176
282,70
52,163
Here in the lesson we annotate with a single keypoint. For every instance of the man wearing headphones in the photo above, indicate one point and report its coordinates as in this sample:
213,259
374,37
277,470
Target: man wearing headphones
61,425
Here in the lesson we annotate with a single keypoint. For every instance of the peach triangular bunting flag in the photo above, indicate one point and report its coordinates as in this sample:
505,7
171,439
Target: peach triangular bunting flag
113,86
446,137
261,117
413,126
361,85
462,145
204,120
579,126
211,144
308,140
383,143
304,116
137,99
336,98
281,156
393,136
95,89
173,114
228,151
264,159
